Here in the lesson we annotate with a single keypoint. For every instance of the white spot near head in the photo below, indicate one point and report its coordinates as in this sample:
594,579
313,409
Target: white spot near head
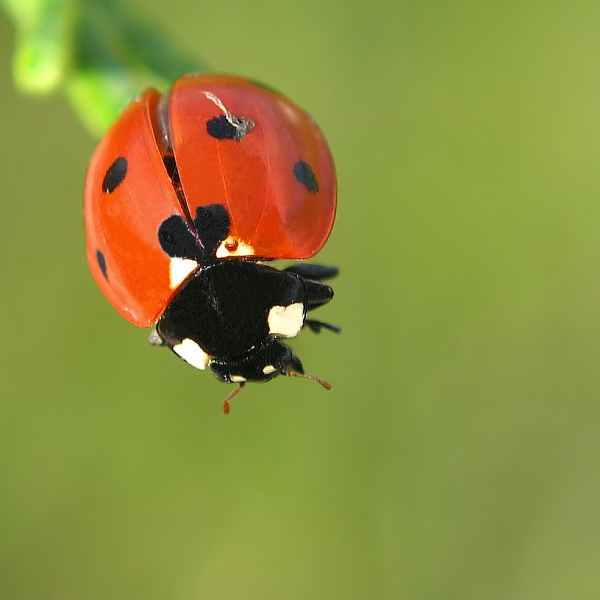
237,379
233,246
192,354
286,321
179,269
269,369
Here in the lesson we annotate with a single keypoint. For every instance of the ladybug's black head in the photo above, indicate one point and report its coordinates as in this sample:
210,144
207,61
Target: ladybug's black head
259,365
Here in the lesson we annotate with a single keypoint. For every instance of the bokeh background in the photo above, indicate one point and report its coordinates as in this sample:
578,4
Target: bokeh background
458,454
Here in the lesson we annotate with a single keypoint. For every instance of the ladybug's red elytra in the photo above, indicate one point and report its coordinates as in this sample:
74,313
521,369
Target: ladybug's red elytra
187,196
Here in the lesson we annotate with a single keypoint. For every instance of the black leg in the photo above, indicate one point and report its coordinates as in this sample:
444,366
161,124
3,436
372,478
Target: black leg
318,326
314,272
317,294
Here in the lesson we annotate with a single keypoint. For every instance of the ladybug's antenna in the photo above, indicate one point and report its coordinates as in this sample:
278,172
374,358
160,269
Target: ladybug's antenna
290,372
235,392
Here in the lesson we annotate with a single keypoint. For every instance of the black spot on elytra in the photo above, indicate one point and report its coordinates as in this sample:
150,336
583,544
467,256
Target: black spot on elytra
306,176
177,240
102,263
221,129
114,175
212,224
228,127
212,227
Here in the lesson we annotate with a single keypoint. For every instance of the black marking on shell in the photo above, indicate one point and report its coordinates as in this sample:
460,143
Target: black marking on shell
102,263
228,127
212,225
306,176
221,129
114,175
178,241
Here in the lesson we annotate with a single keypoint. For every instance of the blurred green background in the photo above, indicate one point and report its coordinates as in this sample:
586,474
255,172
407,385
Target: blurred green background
457,455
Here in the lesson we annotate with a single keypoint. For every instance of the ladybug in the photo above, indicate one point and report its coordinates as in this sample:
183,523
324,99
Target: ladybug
187,199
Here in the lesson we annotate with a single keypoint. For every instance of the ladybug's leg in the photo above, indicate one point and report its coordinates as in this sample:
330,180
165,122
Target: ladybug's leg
318,326
318,294
314,272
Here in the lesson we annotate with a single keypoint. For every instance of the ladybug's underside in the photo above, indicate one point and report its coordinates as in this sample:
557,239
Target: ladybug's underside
230,317
231,314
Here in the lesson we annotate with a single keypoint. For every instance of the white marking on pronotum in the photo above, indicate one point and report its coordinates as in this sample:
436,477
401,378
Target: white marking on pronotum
192,354
269,369
237,379
242,125
286,321
232,246
179,269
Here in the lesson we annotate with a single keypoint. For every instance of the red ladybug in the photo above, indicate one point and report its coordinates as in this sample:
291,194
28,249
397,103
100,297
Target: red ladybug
187,196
